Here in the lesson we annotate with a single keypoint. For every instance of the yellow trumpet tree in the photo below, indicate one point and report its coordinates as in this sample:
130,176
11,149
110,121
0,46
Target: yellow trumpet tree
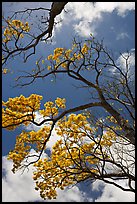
88,147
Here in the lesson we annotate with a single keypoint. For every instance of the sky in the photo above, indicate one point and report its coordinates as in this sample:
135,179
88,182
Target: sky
112,21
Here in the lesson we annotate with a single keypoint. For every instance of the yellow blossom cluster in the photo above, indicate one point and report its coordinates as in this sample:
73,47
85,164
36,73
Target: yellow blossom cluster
5,71
52,108
113,123
111,119
74,126
57,56
61,55
24,142
19,153
72,159
15,29
57,53
19,110
60,102
108,138
67,165
85,49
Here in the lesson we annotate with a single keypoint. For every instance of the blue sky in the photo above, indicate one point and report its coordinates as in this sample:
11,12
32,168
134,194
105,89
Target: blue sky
112,21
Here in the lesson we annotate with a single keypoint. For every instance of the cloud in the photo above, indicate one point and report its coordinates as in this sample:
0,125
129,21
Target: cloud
38,118
123,7
71,195
131,59
19,187
120,7
122,36
110,193
84,29
121,63
125,155
84,16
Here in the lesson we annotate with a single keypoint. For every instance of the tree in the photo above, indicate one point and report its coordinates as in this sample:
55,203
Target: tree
89,147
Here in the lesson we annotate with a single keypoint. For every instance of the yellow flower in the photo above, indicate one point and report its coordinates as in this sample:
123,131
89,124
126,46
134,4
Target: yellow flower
21,35
26,24
49,67
55,57
84,49
64,65
15,22
67,53
49,57
4,71
43,61
7,39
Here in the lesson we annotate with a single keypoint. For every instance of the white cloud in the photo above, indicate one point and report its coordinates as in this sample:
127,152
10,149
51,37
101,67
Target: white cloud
125,151
123,7
120,7
53,139
71,195
84,16
121,62
19,187
125,155
84,29
110,193
122,36
131,59
38,118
